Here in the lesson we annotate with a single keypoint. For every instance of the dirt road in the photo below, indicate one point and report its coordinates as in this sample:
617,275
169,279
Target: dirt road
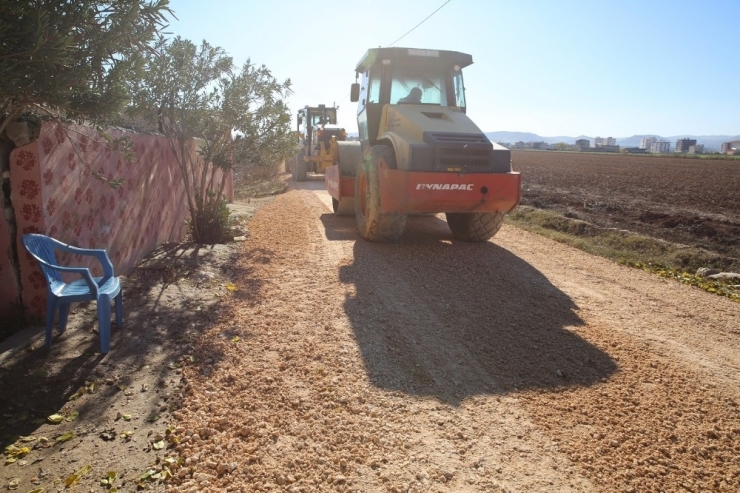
432,365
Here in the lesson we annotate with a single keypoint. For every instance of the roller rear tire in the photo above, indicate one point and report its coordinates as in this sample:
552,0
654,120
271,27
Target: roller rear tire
474,226
373,224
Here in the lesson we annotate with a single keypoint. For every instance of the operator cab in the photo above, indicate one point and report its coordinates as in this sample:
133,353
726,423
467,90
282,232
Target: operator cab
400,76
316,116
320,126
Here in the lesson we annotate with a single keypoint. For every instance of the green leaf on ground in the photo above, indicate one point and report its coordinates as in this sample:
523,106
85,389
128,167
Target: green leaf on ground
109,479
76,477
66,437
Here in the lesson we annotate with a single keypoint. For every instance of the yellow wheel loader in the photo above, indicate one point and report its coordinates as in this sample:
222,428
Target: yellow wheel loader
318,136
418,151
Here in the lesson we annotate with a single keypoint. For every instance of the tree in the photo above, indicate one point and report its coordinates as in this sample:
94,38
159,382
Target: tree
72,58
237,116
68,59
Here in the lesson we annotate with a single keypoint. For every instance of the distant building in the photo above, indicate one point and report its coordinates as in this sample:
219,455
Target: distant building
604,141
634,150
660,147
696,149
608,148
683,145
583,144
645,142
732,147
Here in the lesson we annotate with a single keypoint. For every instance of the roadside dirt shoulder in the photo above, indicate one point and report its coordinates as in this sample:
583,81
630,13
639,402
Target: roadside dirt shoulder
112,413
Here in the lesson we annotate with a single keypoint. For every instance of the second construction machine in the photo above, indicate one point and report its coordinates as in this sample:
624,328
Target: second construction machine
418,151
318,135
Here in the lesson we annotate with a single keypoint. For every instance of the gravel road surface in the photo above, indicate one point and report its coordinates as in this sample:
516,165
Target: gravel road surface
519,364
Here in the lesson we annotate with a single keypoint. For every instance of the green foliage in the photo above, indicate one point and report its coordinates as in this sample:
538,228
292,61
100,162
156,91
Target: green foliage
72,59
722,288
237,117
214,222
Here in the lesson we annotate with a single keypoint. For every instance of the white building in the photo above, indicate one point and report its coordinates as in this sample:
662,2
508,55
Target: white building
646,142
604,141
660,147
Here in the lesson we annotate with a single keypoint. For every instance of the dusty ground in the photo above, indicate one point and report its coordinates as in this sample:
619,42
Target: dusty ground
318,362
116,408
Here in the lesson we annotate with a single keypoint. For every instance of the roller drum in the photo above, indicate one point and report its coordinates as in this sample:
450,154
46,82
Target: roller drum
350,154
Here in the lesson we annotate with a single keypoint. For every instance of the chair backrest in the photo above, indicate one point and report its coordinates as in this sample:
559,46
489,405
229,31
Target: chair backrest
42,249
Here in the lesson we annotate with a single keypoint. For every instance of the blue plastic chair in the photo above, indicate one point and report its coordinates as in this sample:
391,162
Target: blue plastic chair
61,294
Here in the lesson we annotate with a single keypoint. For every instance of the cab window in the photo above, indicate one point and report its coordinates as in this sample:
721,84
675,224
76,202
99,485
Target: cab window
418,86
373,90
459,88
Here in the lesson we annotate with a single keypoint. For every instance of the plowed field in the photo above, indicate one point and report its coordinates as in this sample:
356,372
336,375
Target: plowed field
694,202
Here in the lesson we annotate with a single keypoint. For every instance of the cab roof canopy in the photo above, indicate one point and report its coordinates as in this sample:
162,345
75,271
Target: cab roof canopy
376,56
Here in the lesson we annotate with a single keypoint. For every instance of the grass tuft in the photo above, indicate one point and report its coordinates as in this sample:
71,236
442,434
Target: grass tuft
660,257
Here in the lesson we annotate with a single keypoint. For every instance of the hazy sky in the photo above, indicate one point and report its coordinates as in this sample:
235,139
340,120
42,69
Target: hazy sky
552,67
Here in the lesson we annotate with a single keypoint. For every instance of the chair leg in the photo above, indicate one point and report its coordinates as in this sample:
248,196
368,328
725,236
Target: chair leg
104,322
63,315
51,306
119,310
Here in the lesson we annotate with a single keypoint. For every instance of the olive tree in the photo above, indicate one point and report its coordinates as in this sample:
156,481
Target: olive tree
197,94
67,59
72,58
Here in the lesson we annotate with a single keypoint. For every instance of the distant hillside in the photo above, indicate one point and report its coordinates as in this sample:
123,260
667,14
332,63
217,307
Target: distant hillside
512,137
711,142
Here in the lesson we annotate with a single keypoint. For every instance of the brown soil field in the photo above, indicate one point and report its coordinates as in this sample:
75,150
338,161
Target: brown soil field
694,202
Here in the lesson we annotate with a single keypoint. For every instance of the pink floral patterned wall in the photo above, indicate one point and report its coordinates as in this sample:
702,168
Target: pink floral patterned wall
54,191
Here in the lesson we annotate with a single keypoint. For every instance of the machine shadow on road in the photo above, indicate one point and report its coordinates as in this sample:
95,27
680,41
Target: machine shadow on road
451,320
